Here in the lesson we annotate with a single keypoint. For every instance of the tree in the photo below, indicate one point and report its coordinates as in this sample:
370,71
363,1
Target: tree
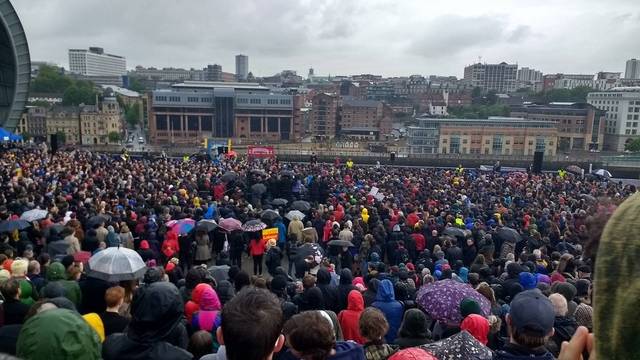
132,114
50,80
578,94
62,137
633,145
78,94
114,137
136,85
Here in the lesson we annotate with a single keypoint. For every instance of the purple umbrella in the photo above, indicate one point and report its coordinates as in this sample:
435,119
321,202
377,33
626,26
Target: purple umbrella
441,300
182,226
230,224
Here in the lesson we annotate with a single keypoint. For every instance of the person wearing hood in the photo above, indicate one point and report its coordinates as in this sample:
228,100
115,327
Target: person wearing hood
156,330
206,317
477,326
344,288
282,233
56,274
225,291
113,239
329,291
58,334
193,304
564,326
145,252
294,231
413,331
370,294
390,307
349,318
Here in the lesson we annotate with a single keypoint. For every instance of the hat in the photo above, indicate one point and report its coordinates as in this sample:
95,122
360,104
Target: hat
528,280
96,324
412,353
4,275
532,312
469,306
67,261
278,284
478,326
7,264
144,245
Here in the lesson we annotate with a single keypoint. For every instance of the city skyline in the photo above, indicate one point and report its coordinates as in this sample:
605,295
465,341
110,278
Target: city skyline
341,38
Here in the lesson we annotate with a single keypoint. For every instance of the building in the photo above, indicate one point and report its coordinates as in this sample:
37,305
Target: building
529,79
64,120
622,119
164,74
567,81
580,126
605,80
192,110
364,119
15,67
501,78
213,73
438,108
324,115
95,62
98,121
23,124
242,67
37,122
492,136
632,70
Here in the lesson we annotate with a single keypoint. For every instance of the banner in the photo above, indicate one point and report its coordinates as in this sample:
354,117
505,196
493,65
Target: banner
260,151
270,233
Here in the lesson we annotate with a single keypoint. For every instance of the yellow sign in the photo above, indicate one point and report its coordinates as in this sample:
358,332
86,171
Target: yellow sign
270,233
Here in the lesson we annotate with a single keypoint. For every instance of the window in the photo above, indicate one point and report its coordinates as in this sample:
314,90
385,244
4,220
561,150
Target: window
633,132
192,122
161,122
255,124
206,99
174,98
192,99
206,123
272,101
285,101
243,100
272,124
629,117
255,101
627,132
161,98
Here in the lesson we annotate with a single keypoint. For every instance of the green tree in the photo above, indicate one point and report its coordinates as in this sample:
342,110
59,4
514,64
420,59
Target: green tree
136,85
633,145
578,94
114,137
78,94
40,103
50,80
132,114
62,137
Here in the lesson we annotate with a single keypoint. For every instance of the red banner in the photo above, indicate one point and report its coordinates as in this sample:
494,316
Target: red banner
260,151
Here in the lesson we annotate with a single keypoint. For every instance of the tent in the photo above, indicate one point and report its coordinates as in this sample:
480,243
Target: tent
9,136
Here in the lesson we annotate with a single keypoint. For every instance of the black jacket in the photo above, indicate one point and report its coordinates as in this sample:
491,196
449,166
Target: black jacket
93,291
517,352
329,292
14,311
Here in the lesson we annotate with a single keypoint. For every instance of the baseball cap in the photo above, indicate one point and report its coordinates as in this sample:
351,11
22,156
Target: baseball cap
532,313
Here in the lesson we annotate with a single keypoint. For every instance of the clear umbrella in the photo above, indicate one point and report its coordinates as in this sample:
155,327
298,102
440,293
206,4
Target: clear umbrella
34,215
116,264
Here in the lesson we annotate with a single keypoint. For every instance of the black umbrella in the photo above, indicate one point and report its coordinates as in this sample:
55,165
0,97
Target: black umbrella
207,224
279,202
98,219
454,232
575,169
259,172
301,205
269,216
287,173
258,189
508,234
341,243
229,176
459,346
12,225
308,251
588,197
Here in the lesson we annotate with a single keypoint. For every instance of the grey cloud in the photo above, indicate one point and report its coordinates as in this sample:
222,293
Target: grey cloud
519,33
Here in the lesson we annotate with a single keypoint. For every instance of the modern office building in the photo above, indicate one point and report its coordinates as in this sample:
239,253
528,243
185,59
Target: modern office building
192,110
529,79
492,136
95,62
632,70
622,119
567,81
15,67
501,78
324,115
242,67
364,119
580,126
213,73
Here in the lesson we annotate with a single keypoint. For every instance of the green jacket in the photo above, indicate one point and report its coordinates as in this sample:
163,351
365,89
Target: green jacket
57,273
28,292
58,334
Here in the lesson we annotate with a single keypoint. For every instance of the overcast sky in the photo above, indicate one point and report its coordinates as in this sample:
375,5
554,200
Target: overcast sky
391,38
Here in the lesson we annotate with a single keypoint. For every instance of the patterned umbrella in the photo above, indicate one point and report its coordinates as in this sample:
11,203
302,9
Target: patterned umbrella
230,224
295,213
182,226
33,215
254,225
441,300
459,346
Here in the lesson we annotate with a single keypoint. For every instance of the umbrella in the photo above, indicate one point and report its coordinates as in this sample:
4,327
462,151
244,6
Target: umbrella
269,215
603,173
279,202
115,264
441,300
229,176
454,232
575,169
33,215
259,172
308,250
258,189
254,225
295,213
301,205
208,224
230,224
288,173
508,234
57,227
98,219
182,226
12,225
459,346
341,243
588,197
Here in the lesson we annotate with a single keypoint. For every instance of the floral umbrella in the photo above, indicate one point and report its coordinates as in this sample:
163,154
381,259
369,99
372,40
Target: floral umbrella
230,224
459,346
254,225
441,300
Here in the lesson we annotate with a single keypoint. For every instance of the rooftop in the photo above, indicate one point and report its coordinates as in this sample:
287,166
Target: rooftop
218,85
121,91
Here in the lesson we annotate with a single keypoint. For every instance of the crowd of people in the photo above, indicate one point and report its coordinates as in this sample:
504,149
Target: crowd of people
372,263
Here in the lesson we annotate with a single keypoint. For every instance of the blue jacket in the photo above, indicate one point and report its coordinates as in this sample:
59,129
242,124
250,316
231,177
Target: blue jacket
392,309
282,232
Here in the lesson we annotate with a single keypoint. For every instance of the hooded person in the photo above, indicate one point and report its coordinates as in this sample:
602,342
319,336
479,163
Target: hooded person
193,305
477,326
329,291
156,330
413,331
349,318
344,288
528,280
58,334
206,317
56,274
390,307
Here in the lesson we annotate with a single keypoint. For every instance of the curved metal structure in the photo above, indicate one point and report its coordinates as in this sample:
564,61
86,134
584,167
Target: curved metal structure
15,67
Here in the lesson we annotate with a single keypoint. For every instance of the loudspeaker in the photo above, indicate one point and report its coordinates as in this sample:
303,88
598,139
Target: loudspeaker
54,143
537,161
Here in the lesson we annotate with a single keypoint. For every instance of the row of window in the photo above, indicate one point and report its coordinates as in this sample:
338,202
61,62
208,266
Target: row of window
190,99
